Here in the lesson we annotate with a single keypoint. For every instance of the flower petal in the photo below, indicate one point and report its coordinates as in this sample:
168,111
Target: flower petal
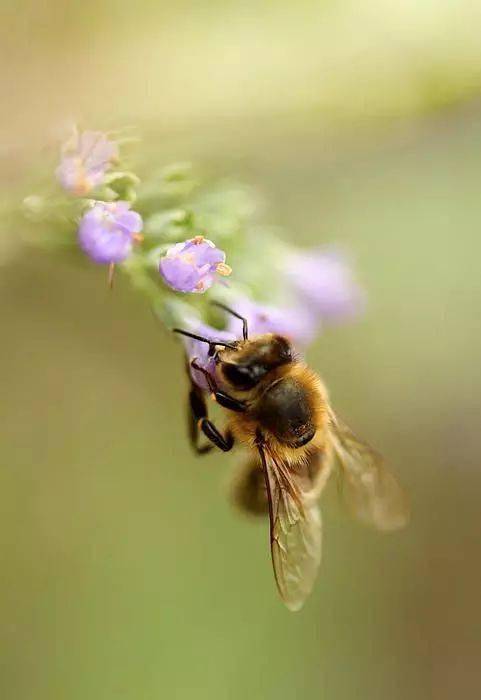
106,232
191,266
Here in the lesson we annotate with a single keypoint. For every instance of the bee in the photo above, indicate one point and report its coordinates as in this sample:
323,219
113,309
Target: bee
279,409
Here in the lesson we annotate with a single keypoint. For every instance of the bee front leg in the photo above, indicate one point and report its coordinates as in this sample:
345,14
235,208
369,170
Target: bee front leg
220,397
199,421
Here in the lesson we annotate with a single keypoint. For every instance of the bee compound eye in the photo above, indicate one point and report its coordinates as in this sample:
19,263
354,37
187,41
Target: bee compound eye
240,376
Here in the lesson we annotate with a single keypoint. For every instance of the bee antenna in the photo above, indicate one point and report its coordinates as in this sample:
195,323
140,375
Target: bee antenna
211,343
245,330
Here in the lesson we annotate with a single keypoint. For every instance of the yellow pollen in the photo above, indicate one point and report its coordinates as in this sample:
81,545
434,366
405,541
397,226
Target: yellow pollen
198,239
223,269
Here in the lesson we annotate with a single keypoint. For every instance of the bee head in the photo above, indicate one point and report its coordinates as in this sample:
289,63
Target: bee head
251,361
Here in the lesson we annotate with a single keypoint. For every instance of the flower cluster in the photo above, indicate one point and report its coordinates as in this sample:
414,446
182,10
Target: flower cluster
175,243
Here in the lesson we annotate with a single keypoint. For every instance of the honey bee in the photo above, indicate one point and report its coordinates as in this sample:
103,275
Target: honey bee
279,409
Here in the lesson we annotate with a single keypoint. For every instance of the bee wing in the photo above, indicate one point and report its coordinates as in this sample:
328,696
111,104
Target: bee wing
370,492
295,530
248,487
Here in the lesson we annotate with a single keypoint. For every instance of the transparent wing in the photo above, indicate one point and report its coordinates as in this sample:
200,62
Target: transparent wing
248,486
295,530
370,492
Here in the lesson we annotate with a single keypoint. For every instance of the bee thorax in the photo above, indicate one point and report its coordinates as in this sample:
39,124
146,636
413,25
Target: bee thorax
284,410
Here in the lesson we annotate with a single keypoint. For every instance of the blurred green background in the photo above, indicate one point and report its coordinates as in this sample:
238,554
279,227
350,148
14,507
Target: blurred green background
124,571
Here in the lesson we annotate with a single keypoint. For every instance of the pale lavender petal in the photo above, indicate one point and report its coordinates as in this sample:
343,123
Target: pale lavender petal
96,149
207,254
104,235
323,280
68,174
179,275
294,322
94,178
131,221
122,208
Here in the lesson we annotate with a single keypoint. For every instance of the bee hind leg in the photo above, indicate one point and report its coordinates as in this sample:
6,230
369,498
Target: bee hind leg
248,488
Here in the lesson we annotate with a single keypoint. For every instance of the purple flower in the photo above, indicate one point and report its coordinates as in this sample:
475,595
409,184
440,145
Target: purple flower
108,231
85,159
295,322
195,349
322,280
192,266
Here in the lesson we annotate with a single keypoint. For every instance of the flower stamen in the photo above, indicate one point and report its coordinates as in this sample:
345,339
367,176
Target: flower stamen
223,269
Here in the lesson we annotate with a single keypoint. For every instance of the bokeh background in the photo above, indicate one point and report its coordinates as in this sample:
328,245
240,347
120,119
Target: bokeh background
124,572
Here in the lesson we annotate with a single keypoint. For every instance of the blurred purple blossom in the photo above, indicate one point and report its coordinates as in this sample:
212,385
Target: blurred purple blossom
323,282
192,266
108,230
85,159
195,349
295,322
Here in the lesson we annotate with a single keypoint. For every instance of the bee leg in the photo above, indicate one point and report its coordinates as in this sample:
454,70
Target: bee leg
221,397
197,411
229,402
199,421
212,433
249,488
